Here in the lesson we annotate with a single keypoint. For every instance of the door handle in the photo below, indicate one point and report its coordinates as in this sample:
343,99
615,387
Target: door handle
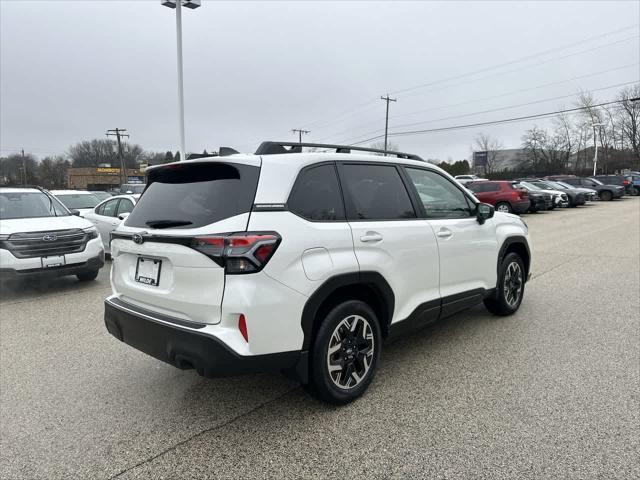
371,237
444,233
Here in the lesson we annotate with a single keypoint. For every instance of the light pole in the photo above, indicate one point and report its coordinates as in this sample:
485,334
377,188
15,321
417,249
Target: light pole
177,5
595,144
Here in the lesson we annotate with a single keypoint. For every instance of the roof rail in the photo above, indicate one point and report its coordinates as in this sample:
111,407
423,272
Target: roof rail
273,148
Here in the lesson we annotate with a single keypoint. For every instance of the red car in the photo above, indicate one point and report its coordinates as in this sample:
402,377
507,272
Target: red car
501,194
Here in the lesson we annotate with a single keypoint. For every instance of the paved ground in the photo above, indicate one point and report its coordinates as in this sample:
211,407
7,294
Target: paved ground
552,392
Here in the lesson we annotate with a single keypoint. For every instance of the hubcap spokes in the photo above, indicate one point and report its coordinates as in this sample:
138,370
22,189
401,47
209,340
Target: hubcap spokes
350,352
513,284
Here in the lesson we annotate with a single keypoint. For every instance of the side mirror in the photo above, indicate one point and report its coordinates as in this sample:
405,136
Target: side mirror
484,212
123,216
75,212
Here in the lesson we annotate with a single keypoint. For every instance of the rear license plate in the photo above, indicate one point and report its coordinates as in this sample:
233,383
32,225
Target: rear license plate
148,271
53,261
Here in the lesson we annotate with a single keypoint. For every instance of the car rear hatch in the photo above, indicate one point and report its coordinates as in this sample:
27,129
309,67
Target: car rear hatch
159,264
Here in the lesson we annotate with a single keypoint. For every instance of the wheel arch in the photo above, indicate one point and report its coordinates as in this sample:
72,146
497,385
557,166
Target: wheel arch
370,287
516,244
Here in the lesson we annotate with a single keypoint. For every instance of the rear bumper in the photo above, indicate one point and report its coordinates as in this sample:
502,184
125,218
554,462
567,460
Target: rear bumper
184,347
94,263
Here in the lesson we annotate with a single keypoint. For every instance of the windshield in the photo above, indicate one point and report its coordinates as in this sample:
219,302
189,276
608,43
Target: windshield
564,185
529,186
132,188
74,201
101,195
556,185
598,182
29,205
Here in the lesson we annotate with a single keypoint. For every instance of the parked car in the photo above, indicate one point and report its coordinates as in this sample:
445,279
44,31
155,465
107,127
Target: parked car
502,194
132,188
102,195
590,194
77,200
605,192
635,182
560,198
572,196
329,253
464,179
39,236
109,214
622,180
538,201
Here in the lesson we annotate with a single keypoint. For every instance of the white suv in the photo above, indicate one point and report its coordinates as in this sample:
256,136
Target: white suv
304,262
39,236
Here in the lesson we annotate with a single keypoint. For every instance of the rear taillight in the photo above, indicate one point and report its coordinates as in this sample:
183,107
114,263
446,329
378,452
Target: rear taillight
246,252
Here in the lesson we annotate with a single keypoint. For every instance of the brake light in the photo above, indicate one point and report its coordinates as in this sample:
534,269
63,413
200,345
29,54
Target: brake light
239,252
626,182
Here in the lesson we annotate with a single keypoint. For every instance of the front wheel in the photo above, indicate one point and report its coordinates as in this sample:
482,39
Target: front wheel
504,207
510,287
87,276
345,353
606,196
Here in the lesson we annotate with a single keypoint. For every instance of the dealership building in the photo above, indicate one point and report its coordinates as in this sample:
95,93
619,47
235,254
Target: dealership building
101,178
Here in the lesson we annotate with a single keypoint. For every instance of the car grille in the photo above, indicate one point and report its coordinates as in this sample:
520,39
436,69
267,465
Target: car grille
47,243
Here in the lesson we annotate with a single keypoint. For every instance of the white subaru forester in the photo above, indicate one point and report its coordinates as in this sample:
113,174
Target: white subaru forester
304,262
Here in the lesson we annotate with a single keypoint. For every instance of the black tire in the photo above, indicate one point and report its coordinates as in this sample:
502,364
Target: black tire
87,276
606,196
635,191
504,207
503,303
351,355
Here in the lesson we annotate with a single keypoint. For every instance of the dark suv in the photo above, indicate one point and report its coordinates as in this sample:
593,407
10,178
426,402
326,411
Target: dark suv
504,195
605,192
621,180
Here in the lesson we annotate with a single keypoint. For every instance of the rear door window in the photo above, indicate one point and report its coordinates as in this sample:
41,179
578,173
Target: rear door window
108,209
375,192
194,195
126,206
316,195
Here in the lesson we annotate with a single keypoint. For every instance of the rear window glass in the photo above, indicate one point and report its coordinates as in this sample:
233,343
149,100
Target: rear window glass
194,195
78,200
316,195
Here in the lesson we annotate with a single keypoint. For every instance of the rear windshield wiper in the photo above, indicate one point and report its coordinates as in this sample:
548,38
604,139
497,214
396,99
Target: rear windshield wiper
167,223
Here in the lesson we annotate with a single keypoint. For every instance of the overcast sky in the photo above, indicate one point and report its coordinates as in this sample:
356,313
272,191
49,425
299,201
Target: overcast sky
255,70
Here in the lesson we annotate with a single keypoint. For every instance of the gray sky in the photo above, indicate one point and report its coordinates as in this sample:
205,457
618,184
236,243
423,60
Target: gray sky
255,70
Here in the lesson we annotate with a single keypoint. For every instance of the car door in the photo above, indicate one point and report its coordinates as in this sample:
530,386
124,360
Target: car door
105,219
390,239
468,251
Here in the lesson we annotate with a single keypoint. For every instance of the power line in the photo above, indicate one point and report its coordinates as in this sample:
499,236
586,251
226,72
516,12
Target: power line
362,106
492,122
494,109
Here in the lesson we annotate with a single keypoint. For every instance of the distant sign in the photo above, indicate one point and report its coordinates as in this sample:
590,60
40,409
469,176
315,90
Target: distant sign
109,170
480,159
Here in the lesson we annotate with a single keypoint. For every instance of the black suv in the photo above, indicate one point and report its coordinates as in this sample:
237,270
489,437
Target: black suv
622,180
605,192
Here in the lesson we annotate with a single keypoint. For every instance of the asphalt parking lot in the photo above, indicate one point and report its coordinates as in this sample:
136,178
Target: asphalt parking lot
552,392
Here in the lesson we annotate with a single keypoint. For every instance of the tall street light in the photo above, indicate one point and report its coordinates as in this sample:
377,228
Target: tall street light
595,144
177,5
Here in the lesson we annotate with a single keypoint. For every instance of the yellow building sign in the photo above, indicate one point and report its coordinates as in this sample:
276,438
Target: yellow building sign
112,171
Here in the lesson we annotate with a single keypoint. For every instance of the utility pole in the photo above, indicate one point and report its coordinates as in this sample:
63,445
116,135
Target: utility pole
386,122
300,132
118,133
24,168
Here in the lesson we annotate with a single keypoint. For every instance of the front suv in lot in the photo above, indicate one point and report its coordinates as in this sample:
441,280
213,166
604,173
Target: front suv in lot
304,262
40,237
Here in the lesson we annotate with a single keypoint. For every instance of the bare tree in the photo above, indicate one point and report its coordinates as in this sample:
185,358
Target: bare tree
629,120
52,172
486,143
390,146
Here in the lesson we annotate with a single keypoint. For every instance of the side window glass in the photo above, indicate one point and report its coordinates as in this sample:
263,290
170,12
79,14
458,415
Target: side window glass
492,187
316,195
440,197
376,192
126,206
109,208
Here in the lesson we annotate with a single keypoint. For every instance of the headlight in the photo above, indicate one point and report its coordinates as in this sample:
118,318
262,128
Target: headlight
92,232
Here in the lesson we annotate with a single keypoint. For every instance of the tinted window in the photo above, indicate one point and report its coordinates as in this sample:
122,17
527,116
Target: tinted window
572,181
440,197
481,187
126,206
316,194
194,195
376,192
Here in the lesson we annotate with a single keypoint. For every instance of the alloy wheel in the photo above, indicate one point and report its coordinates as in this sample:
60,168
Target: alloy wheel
503,207
513,282
350,352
